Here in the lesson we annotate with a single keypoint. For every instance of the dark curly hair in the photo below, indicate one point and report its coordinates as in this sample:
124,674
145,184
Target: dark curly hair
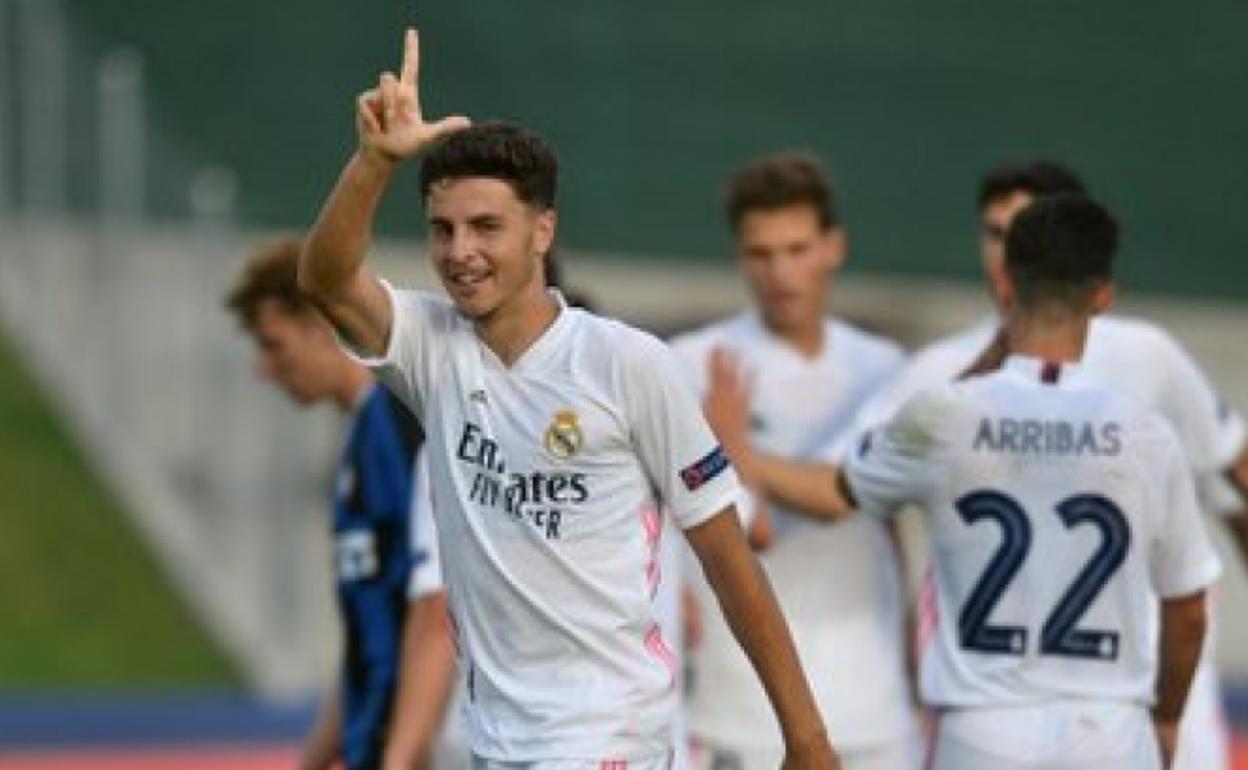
499,151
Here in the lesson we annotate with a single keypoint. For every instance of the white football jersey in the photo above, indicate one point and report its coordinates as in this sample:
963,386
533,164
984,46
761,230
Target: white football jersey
546,476
846,621
426,575
1059,512
1129,356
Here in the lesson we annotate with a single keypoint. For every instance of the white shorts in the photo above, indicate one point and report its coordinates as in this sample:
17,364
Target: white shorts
663,762
902,755
1204,741
1061,736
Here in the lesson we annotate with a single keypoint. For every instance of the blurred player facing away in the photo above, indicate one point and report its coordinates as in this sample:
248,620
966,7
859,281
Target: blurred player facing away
1070,562
1129,356
397,662
555,437
809,374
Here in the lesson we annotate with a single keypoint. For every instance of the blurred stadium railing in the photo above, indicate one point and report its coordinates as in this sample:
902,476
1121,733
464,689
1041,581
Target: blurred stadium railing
121,319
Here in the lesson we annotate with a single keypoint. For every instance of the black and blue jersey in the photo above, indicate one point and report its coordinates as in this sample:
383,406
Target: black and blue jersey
374,560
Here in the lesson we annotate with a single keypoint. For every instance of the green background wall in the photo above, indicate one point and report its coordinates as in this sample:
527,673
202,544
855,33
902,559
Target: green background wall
650,103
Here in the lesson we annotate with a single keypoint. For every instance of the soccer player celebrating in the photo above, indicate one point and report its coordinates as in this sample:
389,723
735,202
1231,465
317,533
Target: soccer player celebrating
554,436
1070,562
1129,356
809,373
397,661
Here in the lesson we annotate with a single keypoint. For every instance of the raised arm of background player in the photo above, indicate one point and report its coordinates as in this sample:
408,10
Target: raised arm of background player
809,488
391,127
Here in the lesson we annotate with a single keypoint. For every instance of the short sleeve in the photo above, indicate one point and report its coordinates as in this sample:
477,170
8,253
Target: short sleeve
900,461
1210,431
418,320
1218,496
1183,560
687,468
426,575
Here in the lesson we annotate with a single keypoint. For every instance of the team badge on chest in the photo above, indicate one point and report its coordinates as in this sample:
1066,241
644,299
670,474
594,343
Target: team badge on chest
564,437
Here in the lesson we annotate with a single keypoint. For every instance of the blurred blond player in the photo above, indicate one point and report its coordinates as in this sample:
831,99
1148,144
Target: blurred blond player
391,690
1069,559
555,436
810,373
1131,357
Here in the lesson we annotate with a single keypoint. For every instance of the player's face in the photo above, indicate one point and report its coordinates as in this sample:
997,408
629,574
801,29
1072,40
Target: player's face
994,223
294,352
487,245
788,259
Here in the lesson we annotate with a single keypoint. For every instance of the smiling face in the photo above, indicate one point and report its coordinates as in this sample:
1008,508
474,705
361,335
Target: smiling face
788,259
487,245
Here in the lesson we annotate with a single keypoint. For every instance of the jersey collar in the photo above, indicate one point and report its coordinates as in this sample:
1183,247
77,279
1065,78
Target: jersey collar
542,348
1038,370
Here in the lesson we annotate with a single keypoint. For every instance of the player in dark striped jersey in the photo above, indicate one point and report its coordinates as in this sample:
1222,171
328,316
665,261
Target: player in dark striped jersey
397,659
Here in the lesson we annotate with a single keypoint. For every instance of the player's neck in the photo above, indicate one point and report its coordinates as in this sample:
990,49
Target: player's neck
1047,337
353,381
805,338
511,329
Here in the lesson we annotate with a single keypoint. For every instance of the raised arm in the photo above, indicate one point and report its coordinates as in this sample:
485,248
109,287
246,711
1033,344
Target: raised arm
810,489
391,129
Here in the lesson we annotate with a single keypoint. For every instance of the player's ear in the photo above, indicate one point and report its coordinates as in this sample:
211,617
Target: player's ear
544,231
1103,297
835,246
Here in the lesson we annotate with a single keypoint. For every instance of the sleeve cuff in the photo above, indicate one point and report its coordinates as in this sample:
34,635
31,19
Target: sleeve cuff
704,513
423,582
396,319
1194,580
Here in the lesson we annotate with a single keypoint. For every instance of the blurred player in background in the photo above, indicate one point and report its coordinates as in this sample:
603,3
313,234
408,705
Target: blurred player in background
397,661
557,436
1130,356
1060,513
809,374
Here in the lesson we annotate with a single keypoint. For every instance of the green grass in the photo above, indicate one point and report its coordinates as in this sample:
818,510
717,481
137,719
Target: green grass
82,601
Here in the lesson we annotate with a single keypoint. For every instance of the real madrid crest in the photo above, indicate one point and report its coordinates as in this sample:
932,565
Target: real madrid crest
564,437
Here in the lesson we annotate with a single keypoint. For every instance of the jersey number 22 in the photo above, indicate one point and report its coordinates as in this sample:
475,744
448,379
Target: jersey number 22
1060,635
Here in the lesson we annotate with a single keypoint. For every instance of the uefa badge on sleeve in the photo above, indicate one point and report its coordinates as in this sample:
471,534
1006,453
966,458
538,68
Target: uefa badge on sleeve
564,437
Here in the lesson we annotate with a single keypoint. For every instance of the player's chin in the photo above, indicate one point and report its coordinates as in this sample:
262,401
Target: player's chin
476,305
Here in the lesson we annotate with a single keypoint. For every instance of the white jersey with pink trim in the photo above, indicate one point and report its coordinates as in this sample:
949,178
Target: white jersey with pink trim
547,477
1059,513
847,619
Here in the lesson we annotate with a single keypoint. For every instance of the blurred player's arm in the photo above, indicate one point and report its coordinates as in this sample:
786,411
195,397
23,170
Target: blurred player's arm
1236,522
750,608
811,489
1183,626
323,743
331,270
990,359
426,680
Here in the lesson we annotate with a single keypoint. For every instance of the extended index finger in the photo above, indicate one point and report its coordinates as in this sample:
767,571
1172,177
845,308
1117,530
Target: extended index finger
411,58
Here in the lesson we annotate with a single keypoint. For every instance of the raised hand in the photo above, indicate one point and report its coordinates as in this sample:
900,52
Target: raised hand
388,118
727,408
